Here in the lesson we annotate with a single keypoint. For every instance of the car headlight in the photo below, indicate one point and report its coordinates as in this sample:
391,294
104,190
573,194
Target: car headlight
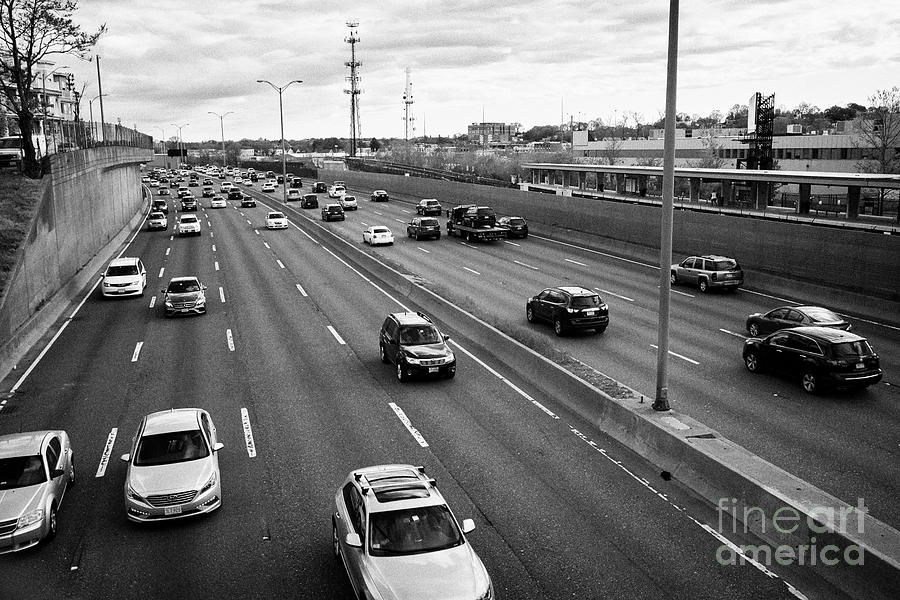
411,359
604,306
35,516
169,304
133,495
210,483
201,300
450,357
571,310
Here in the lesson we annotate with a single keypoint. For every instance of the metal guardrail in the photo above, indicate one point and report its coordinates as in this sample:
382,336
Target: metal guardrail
381,166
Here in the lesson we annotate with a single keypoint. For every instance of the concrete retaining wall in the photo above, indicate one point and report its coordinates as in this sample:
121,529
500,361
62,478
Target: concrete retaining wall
807,258
89,197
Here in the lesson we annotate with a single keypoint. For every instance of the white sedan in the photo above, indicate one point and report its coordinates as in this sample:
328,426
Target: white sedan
276,220
377,234
217,202
239,179
336,191
348,202
268,187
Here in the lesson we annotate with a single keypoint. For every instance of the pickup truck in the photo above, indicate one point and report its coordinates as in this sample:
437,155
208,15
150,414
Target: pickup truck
471,222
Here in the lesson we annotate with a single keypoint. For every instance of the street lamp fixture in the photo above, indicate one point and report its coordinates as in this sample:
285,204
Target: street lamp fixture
222,129
280,90
180,144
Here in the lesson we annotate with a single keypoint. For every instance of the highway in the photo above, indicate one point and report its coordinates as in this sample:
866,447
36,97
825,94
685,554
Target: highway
286,361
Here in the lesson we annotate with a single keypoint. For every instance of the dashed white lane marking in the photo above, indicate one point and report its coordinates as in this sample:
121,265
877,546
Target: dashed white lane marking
409,426
222,294
107,452
249,222
526,265
171,237
681,356
168,250
471,270
137,351
406,211
217,265
266,244
161,271
681,293
400,221
423,250
602,291
152,301
364,224
780,299
301,290
512,243
248,433
256,231
575,262
468,245
378,213
214,247
336,335
613,256
230,339
211,234
737,335
280,264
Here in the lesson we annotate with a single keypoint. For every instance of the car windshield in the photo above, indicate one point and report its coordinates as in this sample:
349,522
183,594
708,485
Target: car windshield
276,215
120,270
183,287
585,301
21,471
516,221
821,315
171,447
188,219
411,531
852,350
157,215
725,265
414,335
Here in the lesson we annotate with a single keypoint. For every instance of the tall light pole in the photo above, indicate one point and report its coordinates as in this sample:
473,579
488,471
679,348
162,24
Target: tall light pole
180,144
91,110
163,145
44,74
222,129
100,89
280,90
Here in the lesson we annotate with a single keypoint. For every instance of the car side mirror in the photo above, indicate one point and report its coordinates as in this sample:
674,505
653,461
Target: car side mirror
218,446
468,525
56,473
125,457
446,337
353,540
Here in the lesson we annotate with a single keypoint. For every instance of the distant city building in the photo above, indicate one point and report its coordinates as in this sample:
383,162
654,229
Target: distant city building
494,133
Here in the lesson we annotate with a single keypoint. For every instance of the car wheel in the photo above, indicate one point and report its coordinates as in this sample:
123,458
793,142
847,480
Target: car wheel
558,327
335,544
53,525
704,286
401,376
754,330
529,314
751,361
673,278
437,237
810,382
384,356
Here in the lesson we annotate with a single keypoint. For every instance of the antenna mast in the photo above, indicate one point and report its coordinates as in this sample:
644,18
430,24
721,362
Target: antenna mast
407,102
354,90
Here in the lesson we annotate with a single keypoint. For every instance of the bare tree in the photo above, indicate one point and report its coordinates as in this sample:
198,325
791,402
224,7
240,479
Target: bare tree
879,136
612,151
31,31
711,158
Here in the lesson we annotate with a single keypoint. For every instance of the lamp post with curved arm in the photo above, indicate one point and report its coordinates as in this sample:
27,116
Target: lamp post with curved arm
280,90
180,144
222,129
91,110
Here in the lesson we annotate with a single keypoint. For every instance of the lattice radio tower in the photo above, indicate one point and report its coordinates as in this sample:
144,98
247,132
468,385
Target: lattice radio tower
408,120
354,90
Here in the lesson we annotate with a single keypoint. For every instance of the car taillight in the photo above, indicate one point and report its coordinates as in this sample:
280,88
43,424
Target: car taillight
838,363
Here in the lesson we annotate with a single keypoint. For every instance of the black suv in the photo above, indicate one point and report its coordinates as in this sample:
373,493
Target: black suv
246,200
413,343
310,201
319,187
479,216
423,227
822,357
296,182
332,212
189,203
428,206
516,226
380,196
569,308
235,194
161,206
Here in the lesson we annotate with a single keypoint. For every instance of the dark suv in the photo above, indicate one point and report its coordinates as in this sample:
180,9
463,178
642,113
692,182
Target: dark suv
569,308
333,212
310,201
423,227
235,194
822,357
428,206
480,216
319,187
708,272
189,203
413,343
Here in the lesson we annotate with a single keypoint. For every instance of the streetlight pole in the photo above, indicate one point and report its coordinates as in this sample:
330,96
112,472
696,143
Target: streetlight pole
91,109
222,129
180,144
280,90
44,74
163,145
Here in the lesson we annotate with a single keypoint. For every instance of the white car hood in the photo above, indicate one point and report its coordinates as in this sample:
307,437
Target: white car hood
452,574
175,477
16,502
122,279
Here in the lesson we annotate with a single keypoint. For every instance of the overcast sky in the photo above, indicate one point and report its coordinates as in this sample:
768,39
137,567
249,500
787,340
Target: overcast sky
527,61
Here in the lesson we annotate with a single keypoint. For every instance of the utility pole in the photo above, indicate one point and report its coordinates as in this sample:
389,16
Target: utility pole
100,89
222,130
354,91
280,91
407,102
180,143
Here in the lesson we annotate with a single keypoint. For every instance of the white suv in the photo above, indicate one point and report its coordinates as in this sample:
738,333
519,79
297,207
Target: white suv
124,277
189,225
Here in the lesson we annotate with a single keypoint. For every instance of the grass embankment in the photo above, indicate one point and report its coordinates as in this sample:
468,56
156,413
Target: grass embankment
19,197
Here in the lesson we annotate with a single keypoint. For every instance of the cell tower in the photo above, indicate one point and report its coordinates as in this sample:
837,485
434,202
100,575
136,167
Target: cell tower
407,102
354,90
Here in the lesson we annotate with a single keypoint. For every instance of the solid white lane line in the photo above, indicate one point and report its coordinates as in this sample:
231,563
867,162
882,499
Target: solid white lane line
214,247
682,293
602,291
512,243
107,452
280,264
423,250
409,426
152,301
681,356
266,244
222,294
496,374
526,266
217,265
738,335
137,351
168,250
471,270
581,264
334,332
161,271
769,296
248,433
302,291
230,339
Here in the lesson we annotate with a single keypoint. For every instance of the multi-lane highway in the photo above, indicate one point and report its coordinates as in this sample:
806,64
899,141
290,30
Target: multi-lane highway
286,361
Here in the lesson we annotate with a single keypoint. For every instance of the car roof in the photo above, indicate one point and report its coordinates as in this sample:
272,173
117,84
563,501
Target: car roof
23,444
829,334
575,290
186,278
411,318
275,213
332,206
379,192
123,261
715,257
396,487
175,419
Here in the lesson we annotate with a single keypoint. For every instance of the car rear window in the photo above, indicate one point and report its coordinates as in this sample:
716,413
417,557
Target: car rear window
171,447
821,315
516,221
21,471
851,350
188,219
585,301
121,270
429,222
381,230
723,265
